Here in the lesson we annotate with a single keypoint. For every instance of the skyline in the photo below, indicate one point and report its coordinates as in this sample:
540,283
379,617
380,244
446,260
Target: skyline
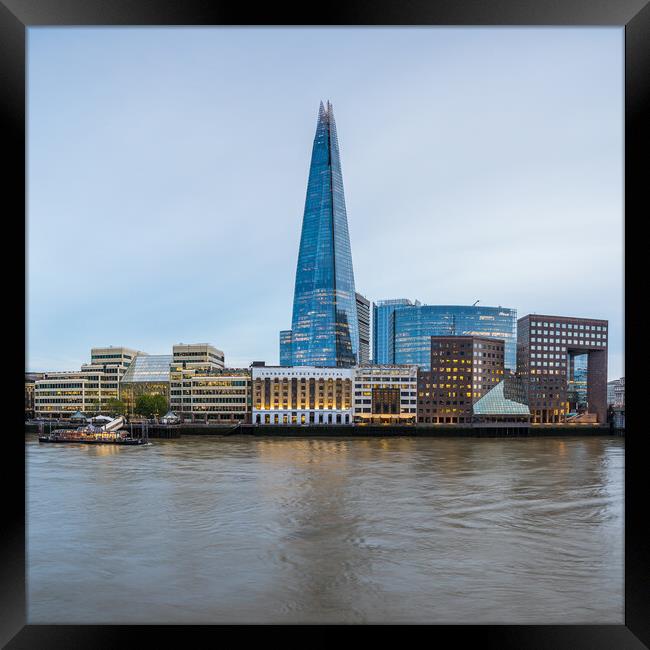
489,167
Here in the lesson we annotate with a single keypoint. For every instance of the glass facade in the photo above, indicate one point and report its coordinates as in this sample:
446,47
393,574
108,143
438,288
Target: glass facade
508,397
413,326
146,375
382,333
285,347
577,384
324,324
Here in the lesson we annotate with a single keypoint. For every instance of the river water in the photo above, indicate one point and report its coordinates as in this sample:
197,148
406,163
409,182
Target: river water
285,530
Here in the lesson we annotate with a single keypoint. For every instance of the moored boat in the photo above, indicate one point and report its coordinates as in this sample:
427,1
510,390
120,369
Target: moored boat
109,434
118,438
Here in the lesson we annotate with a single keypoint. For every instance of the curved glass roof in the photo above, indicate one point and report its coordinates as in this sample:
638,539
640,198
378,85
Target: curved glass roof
148,368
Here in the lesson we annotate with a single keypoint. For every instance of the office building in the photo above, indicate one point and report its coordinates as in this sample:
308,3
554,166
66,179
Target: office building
382,331
201,389
147,375
89,390
547,347
197,355
301,395
285,348
363,314
616,392
60,394
385,394
118,357
411,328
462,370
619,392
210,395
30,384
324,326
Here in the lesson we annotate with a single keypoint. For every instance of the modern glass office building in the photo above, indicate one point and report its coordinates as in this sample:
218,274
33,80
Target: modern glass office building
324,327
147,375
285,348
382,334
410,329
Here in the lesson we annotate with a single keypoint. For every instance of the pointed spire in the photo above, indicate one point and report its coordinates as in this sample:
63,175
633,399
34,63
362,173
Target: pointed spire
325,111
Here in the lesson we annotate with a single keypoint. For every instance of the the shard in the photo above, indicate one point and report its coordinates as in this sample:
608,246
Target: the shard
325,330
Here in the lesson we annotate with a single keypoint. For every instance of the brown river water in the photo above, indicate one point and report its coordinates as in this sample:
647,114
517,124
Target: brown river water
286,530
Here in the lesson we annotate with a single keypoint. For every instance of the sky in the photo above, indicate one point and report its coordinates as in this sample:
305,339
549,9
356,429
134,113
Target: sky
167,171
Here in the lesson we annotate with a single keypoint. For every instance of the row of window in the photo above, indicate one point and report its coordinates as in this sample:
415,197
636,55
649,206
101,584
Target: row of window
570,326
592,339
218,400
313,418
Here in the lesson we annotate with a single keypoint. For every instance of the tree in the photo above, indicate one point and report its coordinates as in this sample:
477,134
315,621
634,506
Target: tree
116,407
150,405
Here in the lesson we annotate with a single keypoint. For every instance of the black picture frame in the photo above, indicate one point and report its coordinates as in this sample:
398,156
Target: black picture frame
634,15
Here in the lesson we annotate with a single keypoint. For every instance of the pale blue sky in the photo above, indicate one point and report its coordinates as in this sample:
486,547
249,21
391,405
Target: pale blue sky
167,171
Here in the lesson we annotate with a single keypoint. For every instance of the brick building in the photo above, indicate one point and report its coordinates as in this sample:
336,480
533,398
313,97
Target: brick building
546,350
463,369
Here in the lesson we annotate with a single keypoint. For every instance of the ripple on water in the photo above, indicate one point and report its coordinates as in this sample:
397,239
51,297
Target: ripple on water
289,530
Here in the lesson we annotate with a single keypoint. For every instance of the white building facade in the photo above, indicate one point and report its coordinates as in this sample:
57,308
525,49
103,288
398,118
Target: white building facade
301,395
385,394
616,392
60,394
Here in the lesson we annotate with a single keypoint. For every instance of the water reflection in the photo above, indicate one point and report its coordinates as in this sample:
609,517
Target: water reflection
301,530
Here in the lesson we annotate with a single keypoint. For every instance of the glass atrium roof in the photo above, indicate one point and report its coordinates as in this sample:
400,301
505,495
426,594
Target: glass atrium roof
148,368
494,402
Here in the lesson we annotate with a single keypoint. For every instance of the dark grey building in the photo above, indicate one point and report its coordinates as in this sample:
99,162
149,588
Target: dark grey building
363,317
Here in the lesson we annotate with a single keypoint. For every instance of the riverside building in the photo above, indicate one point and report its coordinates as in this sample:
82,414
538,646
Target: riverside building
616,392
385,394
325,325
547,347
30,384
301,395
203,390
210,395
89,390
407,337
462,370
147,375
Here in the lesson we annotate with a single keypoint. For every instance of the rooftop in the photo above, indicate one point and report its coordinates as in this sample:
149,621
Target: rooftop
149,368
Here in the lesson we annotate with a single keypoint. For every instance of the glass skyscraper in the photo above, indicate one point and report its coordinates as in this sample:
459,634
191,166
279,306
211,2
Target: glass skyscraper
382,311
408,335
285,347
324,328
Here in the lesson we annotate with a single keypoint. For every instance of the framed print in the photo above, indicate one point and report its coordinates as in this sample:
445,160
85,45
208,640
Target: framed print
329,319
